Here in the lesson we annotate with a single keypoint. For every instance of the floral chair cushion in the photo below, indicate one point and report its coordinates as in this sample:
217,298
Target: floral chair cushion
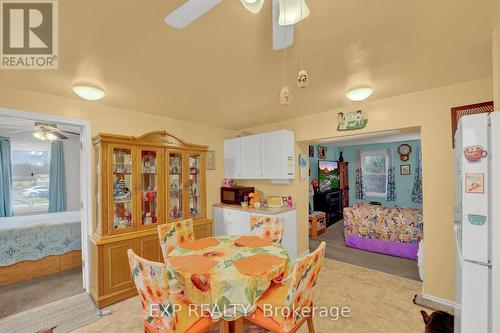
173,234
270,228
151,281
294,293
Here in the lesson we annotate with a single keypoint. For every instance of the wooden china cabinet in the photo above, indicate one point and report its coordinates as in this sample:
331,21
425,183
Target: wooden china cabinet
141,182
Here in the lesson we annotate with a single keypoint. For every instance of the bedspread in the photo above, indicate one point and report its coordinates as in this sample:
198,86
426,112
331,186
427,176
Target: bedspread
395,231
35,237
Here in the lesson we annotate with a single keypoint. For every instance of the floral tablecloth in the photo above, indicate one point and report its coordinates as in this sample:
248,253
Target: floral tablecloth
227,275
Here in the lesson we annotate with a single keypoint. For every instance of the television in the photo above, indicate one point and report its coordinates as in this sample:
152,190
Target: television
328,175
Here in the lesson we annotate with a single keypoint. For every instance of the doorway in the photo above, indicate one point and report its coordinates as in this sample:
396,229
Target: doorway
368,189
47,220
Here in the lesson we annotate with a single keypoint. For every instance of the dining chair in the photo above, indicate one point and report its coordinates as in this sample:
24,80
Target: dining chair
270,228
294,293
163,312
174,233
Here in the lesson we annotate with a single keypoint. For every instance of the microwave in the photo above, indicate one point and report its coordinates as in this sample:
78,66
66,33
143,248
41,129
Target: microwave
235,195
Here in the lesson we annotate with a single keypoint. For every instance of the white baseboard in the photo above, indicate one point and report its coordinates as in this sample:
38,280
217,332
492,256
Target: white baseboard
441,301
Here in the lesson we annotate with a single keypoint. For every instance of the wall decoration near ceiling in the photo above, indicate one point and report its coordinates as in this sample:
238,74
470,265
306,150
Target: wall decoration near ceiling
322,152
311,151
351,120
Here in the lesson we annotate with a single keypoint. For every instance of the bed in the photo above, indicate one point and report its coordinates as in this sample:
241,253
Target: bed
37,245
395,231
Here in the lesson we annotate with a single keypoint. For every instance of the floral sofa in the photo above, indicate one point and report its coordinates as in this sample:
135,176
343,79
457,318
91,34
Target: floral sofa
395,231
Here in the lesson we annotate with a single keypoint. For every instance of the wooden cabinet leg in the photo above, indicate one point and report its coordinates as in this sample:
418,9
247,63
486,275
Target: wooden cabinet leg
310,324
238,325
224,326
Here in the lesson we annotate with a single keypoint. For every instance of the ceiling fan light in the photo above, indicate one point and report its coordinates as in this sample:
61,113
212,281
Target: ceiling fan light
253,6
89,93
359,94
292,11
44,135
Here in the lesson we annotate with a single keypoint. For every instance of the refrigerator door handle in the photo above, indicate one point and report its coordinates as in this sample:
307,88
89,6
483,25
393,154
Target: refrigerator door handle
457,242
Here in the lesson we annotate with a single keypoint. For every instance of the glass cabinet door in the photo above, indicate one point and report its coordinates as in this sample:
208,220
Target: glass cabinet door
175,185
149,178
122,187
194,185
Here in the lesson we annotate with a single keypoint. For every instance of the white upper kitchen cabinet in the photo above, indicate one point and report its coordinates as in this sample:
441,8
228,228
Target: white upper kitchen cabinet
278,155
232,158
250,148
261,156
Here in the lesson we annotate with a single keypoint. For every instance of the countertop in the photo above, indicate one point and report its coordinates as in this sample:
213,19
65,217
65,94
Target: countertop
263,210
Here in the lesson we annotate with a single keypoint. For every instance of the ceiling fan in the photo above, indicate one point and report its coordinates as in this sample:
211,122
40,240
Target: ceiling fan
50,132
44,131
285,14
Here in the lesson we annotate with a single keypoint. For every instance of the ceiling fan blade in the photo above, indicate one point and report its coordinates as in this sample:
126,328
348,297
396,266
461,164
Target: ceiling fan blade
41,123
59,135
69,132
282,35
189,12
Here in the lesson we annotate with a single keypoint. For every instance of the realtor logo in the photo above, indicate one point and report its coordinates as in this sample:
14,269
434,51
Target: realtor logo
29,34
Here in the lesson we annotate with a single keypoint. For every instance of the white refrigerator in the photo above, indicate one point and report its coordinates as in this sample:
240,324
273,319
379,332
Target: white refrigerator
477,223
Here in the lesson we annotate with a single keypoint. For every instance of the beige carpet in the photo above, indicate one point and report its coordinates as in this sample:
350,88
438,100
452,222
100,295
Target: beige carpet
379,302
337,250
30,294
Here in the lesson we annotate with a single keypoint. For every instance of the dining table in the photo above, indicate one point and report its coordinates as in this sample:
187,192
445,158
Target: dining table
226,275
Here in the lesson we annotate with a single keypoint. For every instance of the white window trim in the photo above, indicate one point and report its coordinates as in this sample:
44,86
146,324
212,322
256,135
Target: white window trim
375,153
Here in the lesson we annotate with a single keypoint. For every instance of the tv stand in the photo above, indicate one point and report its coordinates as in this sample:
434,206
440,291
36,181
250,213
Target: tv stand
329,202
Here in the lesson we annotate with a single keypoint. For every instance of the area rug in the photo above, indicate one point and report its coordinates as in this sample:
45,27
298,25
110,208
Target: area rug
63,316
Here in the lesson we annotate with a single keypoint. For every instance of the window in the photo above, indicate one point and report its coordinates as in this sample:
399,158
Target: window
374,168
30,177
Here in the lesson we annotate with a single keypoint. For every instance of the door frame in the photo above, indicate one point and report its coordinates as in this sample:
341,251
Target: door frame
85,176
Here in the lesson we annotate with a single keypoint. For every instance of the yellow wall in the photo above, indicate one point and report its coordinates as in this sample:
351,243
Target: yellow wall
128,122
496,67
429,110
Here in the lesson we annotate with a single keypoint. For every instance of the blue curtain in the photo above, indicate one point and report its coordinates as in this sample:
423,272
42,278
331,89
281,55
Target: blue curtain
360,192
416,193
5,178
391,178
57,180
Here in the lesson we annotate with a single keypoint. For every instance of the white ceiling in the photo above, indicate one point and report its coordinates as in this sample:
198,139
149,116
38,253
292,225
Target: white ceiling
222,71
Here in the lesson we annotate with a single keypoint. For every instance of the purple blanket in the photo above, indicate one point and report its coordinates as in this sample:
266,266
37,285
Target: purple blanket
405,250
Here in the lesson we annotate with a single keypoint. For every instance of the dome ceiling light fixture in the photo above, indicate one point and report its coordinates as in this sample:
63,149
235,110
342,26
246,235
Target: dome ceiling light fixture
253,6
88,92
359,94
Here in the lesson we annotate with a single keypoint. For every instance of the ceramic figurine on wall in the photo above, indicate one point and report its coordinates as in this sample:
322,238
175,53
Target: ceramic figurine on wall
303,79
341,155
285,95
351,121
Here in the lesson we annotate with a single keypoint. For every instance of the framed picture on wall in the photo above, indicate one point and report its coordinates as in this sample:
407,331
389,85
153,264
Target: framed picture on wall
322,152
311,151
405,169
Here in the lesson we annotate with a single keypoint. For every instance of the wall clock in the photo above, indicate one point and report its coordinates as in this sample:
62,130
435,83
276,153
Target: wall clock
404,151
